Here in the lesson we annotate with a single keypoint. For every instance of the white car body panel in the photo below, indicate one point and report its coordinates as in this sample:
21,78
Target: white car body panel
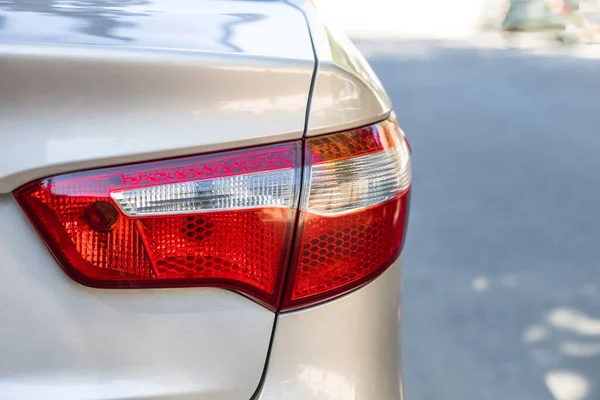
345,349
99,83
347,93
82,107
215,26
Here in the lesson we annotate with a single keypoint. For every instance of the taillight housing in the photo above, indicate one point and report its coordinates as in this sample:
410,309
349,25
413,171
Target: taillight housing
354,211
228,219
220,220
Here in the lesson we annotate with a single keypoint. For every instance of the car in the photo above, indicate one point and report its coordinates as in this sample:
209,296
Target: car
199,200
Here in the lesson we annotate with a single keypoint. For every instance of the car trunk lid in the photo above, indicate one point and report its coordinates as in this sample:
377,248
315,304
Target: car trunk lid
97,84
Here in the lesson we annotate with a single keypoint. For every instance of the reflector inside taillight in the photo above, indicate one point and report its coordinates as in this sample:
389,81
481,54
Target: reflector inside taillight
354,211
222,220
227,219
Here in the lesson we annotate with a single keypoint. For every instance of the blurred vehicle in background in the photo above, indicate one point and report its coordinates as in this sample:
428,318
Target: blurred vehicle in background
570,20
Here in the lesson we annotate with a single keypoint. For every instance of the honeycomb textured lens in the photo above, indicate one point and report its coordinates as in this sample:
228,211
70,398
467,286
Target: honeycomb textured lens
241,245
338,250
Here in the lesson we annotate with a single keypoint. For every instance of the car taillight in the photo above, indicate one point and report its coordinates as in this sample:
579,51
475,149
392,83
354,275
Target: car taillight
354,210
215,220
227,220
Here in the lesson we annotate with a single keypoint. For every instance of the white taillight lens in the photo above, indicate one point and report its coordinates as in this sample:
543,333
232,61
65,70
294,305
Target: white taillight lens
240,192
346,185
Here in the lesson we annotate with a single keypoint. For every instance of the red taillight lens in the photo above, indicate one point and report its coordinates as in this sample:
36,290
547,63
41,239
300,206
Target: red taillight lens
220,220
227,219
354,211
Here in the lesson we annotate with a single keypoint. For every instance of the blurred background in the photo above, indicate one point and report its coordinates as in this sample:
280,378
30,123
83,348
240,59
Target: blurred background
500,100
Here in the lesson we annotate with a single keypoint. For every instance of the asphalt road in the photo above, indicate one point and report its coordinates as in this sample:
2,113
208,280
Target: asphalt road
502,264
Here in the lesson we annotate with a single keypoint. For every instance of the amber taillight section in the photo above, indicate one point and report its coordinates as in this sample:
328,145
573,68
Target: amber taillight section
228,219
